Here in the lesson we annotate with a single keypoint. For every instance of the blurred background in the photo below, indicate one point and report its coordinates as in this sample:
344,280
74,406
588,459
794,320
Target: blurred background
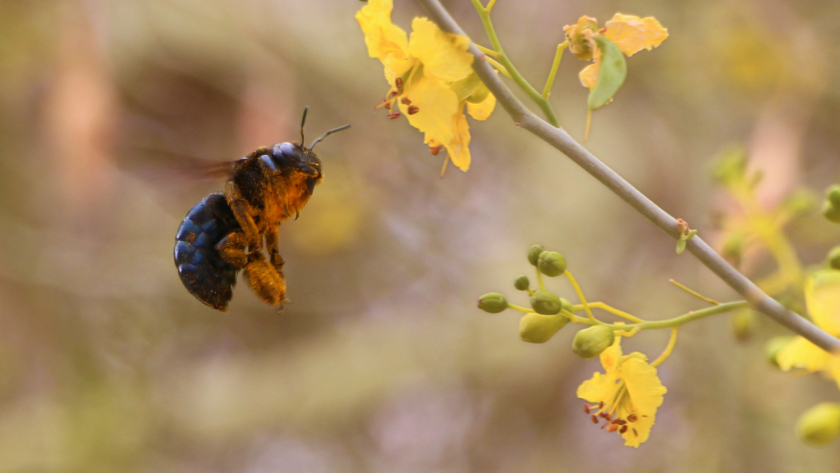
382,361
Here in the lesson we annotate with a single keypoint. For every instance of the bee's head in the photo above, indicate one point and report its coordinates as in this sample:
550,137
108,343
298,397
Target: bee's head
294,157
298,158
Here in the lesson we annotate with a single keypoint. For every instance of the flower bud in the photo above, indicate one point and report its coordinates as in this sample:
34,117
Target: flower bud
538,328
551,263
834,258
546,303
590,342
830,212
774,346
492,302
743,324
567,306
833,195
522,283
534,254
731,166
819,424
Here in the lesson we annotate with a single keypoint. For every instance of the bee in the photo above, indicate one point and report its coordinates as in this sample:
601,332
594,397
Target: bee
225,232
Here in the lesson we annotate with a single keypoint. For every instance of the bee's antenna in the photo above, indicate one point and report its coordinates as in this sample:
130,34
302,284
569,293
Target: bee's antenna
328,134
303,122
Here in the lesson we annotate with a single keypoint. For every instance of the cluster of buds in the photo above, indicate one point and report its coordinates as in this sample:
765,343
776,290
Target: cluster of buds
548,312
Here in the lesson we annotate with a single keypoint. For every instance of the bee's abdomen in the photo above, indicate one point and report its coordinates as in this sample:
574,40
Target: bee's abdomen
202,270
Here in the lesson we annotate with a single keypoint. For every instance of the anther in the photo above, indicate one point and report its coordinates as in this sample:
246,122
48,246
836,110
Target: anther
412,109
434,150
393,116
405,101
601,405
632,418
399,82
635,433
619,421
623,429
393,94
594,419
586,408
612,428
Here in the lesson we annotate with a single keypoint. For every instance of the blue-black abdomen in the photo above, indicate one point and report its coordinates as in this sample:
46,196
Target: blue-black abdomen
203,272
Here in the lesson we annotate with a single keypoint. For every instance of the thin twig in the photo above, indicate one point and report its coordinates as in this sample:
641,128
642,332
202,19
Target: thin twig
561,140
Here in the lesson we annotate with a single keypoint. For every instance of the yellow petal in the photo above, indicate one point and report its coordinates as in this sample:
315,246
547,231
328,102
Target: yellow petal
383,38
483,109
601,387
800,353
646,394
458,147
610,356
632,34
444,55
822,296
589,75
436,104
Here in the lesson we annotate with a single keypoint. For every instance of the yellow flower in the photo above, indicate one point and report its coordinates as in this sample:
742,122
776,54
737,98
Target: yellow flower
629,32
423,71
626,396
822,297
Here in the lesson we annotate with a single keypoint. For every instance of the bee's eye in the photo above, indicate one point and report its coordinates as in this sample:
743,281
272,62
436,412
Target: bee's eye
286,151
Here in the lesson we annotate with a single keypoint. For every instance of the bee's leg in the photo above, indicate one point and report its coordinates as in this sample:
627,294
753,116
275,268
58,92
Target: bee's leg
232,249
266,282
241,211
272,241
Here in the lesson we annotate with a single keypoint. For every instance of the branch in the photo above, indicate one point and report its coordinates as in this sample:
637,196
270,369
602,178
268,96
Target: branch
561,140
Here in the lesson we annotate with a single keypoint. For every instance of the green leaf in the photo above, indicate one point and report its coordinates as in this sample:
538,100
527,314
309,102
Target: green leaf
611,74
680,246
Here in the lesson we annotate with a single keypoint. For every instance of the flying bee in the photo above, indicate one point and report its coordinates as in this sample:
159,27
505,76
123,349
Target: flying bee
225,232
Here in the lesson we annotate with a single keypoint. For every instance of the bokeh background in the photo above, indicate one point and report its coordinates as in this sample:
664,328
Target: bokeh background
382,362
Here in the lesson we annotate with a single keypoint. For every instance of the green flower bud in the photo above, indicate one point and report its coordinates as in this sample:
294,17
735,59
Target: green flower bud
743,324
522,283
833,195
731,166
534,254
546,303
590,342
830,212
834,257
567,306
774,346
492,302
551,263
538,328
819,424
